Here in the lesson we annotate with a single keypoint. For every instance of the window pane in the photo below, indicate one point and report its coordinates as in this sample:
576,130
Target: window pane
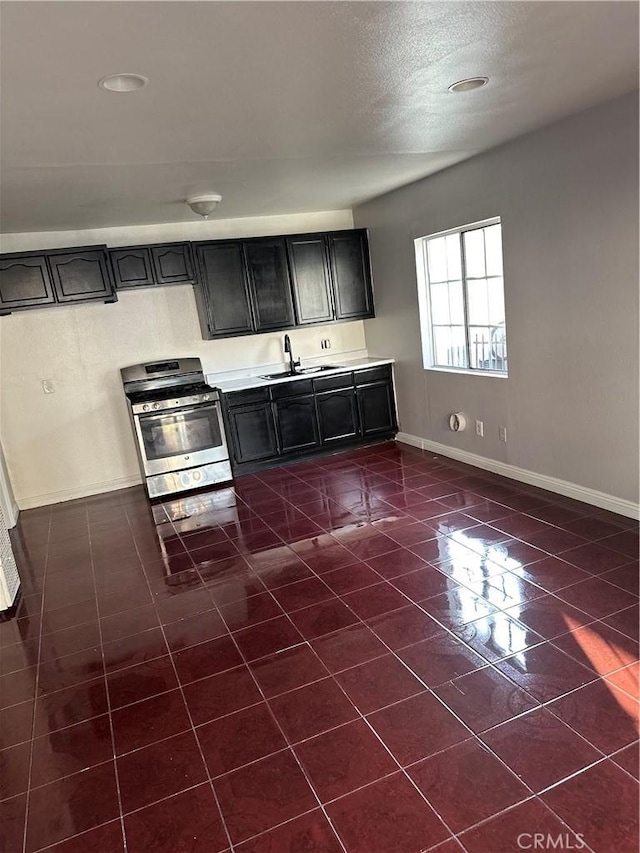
454,262
499,347
480,347
440,304
437,252
462,271
493,246
474,253
478,302
449,346
456,303
496,301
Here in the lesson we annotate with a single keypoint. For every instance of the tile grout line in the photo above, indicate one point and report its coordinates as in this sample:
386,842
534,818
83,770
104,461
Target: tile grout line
108,697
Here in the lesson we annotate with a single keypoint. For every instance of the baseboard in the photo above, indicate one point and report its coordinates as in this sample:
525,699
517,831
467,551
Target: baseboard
523,475
79,492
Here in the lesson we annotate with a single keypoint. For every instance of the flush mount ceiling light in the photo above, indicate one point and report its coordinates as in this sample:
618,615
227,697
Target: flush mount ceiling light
469,84
203,205
124,82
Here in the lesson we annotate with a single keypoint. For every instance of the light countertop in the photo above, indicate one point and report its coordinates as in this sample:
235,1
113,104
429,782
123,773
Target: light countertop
254,377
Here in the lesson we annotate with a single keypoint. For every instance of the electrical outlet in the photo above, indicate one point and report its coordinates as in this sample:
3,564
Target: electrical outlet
325,343
502,433
480,429
48,386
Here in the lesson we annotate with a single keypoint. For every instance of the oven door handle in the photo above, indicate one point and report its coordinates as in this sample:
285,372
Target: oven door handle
169,413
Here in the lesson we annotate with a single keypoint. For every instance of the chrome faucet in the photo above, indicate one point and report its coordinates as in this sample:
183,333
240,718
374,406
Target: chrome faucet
287,348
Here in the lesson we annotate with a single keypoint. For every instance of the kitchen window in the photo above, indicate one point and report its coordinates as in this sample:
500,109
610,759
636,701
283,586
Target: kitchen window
461,297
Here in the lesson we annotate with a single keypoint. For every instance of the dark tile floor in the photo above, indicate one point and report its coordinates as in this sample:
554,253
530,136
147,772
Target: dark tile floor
381,651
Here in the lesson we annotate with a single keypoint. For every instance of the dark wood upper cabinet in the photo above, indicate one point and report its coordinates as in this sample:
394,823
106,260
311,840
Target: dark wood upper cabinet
24,282
132,267
244,286
79,275
223,294
311,278
270,284
146,266
172,263
351,274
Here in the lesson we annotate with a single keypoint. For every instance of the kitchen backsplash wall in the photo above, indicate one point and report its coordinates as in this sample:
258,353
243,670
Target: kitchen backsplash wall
78,440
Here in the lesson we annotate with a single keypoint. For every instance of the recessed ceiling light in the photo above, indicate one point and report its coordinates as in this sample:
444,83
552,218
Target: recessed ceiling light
124,82
469,84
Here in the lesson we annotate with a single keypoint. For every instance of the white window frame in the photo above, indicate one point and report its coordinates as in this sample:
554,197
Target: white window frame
424,302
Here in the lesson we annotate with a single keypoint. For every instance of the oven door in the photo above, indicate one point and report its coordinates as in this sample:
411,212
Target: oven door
181,438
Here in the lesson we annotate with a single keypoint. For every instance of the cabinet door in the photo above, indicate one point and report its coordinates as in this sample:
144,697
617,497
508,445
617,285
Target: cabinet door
24,283
337,415
309,261
296,423
172,263
270,284
351,274
132,267
224,307
376,408
80,275
253,433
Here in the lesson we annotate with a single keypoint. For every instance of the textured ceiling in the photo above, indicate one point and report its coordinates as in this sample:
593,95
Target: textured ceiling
280,107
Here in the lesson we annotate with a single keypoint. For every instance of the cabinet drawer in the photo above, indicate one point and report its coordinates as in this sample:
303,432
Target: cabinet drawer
291,389
251,395
331,383
373,374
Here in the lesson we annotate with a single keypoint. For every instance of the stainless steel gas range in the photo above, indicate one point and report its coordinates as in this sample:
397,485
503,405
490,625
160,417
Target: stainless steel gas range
177,421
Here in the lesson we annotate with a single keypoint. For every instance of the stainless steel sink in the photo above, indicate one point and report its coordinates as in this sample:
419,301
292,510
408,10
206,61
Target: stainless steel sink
305,370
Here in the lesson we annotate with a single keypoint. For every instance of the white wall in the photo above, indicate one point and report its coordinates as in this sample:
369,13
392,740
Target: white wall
78,440
568,198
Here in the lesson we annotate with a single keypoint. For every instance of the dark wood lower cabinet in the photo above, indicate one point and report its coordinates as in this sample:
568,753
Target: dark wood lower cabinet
296,423
376,408
287,420
337,415
253,434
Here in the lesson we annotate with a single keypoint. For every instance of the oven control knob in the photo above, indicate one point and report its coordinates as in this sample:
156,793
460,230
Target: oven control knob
205,397
145,408
156,405
186,457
